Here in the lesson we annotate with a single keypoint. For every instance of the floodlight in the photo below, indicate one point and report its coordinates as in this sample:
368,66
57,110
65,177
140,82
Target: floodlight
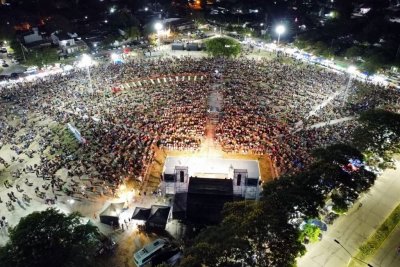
351,69
280,29
158,26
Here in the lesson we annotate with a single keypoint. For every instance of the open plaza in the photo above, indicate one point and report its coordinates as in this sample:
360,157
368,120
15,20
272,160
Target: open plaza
133,137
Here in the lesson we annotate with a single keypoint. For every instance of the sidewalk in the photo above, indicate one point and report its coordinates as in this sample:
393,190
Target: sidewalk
355,227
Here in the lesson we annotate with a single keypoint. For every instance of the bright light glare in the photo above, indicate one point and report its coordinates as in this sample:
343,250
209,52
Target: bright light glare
86,61
158,26
280,29
114,56
351,69
112,10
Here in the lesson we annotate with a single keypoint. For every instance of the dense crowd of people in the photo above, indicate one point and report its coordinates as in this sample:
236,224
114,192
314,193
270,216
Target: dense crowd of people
267,108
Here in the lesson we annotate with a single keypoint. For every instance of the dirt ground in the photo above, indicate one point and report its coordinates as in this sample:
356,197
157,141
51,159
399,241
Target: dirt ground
128,244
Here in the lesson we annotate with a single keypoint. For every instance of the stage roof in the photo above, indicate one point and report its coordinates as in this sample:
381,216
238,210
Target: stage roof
211,167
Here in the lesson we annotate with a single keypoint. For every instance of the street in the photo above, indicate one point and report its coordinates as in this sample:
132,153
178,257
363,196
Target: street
355,227
388,255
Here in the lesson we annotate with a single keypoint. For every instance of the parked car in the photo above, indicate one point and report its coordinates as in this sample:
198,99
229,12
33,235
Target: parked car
5,65
330,218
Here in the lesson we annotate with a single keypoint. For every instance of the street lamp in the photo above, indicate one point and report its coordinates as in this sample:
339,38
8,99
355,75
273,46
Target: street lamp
158,26
86,61
366,263
280,29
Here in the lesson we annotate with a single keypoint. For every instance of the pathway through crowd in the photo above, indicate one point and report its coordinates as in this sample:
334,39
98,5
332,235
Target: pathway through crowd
209,146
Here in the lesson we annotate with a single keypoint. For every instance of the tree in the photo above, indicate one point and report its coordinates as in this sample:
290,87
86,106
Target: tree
59,23
379,133
310,232
354,51
50,238
223,47
321,48
132,32
344,8
252,233
7,33
123,19
339,153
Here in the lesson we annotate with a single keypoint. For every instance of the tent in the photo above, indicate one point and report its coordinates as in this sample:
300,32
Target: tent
158,216
192,47
111,214
141,214
177,46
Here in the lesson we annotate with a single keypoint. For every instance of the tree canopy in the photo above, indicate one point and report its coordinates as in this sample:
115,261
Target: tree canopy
50,238
223,47
262,233
379,132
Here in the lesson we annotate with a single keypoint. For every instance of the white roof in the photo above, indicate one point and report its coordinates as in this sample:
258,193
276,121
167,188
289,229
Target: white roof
218,166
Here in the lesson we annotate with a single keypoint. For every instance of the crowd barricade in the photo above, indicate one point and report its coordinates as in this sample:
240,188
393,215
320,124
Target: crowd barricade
158,80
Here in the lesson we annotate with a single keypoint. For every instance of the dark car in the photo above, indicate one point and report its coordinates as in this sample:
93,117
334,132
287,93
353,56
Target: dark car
5,65
14,75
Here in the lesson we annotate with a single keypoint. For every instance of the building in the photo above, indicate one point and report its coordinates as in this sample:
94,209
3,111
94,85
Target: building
244,174
200,187
68,43
32,36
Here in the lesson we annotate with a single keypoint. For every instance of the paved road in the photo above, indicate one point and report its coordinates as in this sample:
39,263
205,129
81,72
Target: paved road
355,227
387,255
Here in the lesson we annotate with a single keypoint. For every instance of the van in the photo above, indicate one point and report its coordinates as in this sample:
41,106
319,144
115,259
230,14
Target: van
144,256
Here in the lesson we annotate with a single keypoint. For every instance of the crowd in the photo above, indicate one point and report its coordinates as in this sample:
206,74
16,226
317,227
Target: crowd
266,109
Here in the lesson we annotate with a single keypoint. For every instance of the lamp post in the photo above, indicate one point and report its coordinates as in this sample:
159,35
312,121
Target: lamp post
158,26
350,70
280,29
366,263
86,61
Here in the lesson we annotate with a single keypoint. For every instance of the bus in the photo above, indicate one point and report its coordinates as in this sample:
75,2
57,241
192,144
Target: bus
144,256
